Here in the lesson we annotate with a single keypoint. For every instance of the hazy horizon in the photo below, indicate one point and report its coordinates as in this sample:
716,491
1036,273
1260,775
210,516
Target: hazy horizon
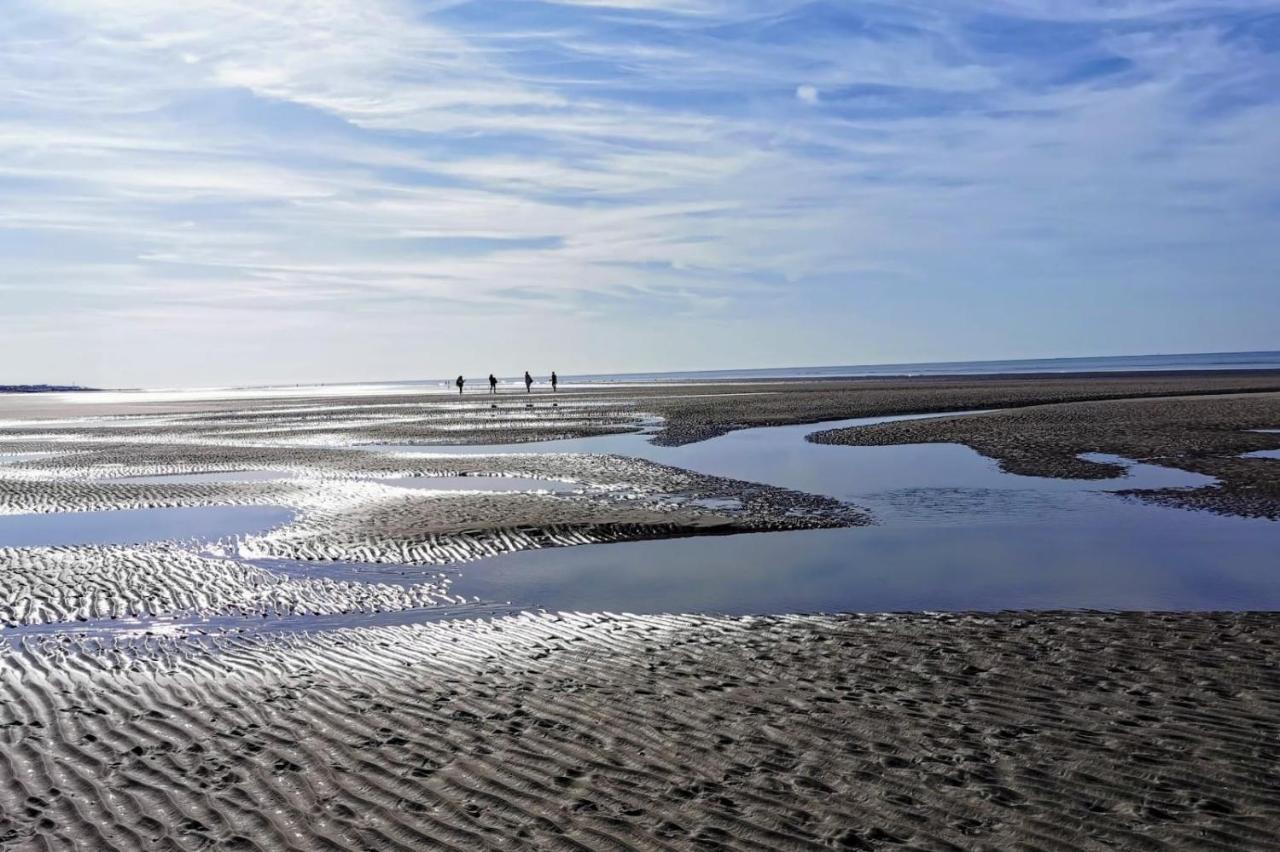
224,193
825,370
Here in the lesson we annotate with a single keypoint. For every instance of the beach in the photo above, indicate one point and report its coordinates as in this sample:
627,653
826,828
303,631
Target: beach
1049,731
274,645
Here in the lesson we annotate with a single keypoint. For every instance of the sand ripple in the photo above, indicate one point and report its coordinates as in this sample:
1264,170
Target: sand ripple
606,732
50,584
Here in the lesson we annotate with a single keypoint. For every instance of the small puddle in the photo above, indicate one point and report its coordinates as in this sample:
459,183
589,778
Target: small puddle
727,503
358,572
208,476
1262,454
1146,476
134,526
10,458
194,627
482,483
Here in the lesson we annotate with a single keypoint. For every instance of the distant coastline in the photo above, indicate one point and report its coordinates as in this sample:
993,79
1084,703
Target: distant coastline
44,389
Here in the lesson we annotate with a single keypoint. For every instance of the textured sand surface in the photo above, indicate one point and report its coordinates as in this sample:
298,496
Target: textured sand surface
597,731
1205,435
41,585
1057,731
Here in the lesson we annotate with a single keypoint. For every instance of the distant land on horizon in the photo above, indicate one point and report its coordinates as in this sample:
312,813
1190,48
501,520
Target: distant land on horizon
43,388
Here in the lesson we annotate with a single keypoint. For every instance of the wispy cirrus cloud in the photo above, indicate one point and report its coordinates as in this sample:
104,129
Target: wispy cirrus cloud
407,170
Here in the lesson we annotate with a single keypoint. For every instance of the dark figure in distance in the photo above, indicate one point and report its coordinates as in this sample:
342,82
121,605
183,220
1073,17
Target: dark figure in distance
460,382
528,382
493,384
554,381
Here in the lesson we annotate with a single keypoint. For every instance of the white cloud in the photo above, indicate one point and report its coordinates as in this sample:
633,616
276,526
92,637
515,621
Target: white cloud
345,156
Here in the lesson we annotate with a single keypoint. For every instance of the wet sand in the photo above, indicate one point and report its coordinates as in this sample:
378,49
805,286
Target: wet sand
542,731
1206,434
1051,731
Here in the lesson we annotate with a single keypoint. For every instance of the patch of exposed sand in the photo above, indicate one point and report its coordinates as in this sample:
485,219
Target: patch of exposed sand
1054,731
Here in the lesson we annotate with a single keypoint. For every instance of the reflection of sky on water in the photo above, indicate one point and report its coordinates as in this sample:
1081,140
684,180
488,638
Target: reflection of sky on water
480,483
1141,557
900,484
956,533
206,476
133,526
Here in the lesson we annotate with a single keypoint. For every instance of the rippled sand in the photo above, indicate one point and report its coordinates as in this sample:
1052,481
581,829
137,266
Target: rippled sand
596,731
191,729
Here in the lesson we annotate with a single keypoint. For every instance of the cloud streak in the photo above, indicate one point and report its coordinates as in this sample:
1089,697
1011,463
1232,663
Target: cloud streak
400,168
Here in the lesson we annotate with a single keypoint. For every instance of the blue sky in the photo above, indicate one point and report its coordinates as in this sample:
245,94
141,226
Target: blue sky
221,191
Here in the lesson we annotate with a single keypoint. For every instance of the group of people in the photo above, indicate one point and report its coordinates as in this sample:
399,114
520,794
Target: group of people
493,382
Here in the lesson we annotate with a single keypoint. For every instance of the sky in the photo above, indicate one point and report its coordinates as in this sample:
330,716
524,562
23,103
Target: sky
238,191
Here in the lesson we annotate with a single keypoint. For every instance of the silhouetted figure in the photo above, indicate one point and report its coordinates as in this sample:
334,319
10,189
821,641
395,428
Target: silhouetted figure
554,381
528,382
460,382
493,384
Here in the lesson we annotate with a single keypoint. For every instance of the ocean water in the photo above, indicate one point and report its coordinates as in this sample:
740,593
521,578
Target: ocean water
1107,364
478,384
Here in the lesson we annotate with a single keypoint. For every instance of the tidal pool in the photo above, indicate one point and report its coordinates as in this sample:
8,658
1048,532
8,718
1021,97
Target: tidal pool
134,526
207,476
1123,556
954,533
481,483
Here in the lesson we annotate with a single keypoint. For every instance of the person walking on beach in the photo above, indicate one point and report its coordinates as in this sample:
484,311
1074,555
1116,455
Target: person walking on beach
554,381
528,382
493,384
460,382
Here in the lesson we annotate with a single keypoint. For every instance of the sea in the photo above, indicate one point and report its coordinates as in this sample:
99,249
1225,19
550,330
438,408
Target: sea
1266,360
1102,364
1269,360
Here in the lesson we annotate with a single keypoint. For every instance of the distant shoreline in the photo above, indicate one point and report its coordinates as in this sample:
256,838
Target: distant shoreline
1181,364
45,389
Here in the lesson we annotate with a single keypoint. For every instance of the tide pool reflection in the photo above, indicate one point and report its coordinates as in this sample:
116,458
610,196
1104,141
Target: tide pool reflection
1134,557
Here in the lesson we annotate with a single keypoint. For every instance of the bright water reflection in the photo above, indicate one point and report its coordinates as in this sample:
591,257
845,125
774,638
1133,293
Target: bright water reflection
207,476
481,483
917,483
1129,556
955,533
132,526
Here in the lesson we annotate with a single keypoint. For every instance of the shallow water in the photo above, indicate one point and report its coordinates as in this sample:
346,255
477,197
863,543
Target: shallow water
207,476
481,483
899,484
10,458
1122,556
955,533
357,572
133,526
1263,454
104,628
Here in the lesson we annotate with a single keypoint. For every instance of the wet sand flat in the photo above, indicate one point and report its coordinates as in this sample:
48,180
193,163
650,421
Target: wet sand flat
1218,436
140,710
1049,731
